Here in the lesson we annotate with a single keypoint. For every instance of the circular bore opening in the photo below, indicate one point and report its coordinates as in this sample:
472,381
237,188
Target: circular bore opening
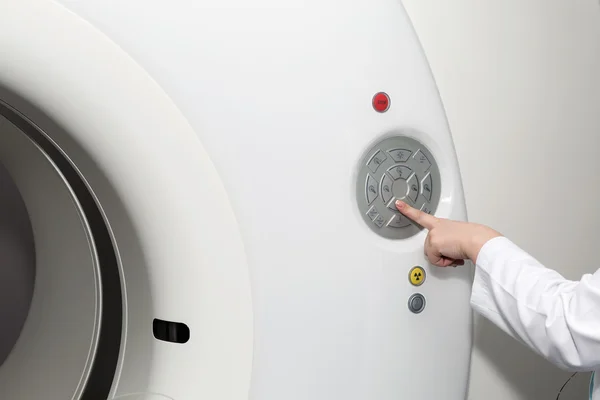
61,309
17,264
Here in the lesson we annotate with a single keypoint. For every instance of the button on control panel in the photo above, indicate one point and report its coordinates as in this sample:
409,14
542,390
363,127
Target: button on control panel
386,188
376,160
396,168
371,189
416,303
426,187
372,213
400,155
398,221
416,276
422,160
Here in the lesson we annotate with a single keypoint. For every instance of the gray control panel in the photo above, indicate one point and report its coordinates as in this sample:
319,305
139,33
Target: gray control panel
398,167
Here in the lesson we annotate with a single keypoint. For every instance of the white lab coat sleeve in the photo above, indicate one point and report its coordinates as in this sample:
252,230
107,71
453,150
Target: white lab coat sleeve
557,318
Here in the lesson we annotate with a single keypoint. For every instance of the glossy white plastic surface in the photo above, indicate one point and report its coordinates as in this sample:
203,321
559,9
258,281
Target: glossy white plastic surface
159,192
277,96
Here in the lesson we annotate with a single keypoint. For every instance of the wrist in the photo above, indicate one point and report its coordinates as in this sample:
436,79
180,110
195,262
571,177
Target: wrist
481,235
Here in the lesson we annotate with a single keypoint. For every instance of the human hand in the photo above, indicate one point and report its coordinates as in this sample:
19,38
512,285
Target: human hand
448,242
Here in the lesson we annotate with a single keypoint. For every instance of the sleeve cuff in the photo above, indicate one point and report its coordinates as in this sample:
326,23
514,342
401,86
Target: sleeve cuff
492,249
482,297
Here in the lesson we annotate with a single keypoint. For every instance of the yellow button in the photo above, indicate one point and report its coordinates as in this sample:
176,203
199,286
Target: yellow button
417,276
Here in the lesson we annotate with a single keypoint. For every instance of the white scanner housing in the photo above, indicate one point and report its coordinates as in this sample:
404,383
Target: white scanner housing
196,176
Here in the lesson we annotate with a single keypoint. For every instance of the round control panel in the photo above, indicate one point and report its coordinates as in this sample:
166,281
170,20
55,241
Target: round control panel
396,168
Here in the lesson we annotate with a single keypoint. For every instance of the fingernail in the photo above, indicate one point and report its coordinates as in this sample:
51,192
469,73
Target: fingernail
399,204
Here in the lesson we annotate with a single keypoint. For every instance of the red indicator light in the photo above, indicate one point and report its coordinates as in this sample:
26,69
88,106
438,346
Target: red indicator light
381,102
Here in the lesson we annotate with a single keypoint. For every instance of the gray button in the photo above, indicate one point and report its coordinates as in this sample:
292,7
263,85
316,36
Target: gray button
416,303
386,188
398,221
400,172
426,187
413,188
426,208
376,160
422,160
400,155
372,213
379,221
370,189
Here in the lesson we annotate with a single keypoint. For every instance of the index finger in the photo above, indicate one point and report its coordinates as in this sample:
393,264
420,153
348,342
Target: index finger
425,220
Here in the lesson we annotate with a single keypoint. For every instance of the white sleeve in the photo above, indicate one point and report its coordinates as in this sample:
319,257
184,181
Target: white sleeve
557,318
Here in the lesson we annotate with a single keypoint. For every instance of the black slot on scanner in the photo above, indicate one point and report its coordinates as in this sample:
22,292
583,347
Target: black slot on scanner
167,331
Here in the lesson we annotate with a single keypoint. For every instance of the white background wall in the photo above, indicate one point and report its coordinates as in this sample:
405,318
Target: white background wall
520,80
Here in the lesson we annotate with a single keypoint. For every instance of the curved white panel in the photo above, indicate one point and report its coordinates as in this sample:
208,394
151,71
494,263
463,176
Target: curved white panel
179,245
280,94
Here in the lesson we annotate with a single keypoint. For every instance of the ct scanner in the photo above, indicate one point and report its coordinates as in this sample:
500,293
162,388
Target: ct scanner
208,186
